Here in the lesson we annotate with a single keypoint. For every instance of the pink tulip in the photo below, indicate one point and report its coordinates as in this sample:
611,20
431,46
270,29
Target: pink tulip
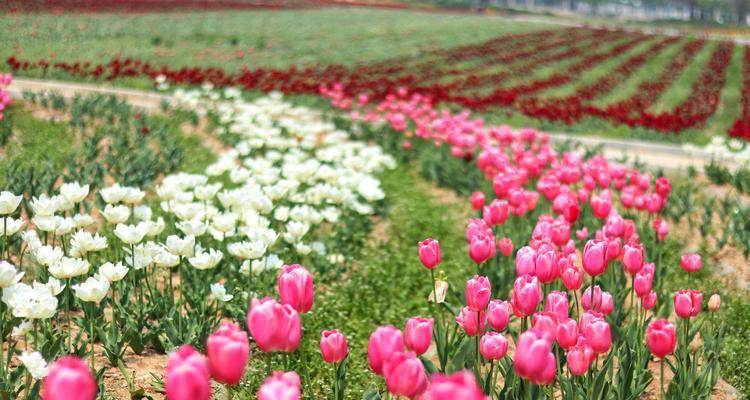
281,386
481,248
477,200
642,283
525,261
601,206
493,346
405,375
471,321
333,346
545,321
579,359
649,301
69,378
187,375
461,385
687,303
228,350
498,314
572,277
478,292
632,258
662,338
505,246
608,304
595,257
582,234
418,334
615,226
296,287
274,326
496,213
567,333
586,299
598,335
477,227
527,294
663,187
691,262
534,359
384,342
661,228
557,303
614,247
546,266
429,253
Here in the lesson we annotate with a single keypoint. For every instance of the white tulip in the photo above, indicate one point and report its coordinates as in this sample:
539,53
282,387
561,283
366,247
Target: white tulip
193,227
133,196
94,289
74,192
67,268
85,242
30,302
155,228
10,226
22,329
43,205
130,234
55,286
48,255
247,250
220,292
142,213
205,260
165,259
35,364
83,220
9,202
113,194
9,276
116,214
207,192
181,246
113,272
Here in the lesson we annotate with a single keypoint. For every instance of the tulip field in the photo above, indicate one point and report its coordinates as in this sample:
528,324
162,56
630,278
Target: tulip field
365,210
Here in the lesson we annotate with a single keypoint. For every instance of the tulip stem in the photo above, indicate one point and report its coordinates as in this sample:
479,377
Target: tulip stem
479,356
575,296
661,379
593,279
335,381
230,395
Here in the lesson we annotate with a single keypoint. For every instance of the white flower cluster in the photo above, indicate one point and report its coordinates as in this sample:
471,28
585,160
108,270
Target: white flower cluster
727,150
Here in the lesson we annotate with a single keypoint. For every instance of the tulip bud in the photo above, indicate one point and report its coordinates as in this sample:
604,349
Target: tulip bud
385,341
429,253
505,246
228,350
296,287
69,378
333,346
714,302
493,346
477,200
498,315
572,277
418,334
546,266
649,301
632,258
526,261
662,338
595,257
187,375
478,292
642,283
496,213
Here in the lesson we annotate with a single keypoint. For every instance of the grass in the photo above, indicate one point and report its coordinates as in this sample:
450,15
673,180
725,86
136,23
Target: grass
681,87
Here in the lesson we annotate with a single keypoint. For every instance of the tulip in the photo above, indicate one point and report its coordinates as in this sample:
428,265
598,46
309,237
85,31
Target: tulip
228,350
587,298
69,378
557,303
429,253
614,246
662,338
333,346
595,257
296,287
598,335
498,314
642,283
534,359
687,303
546,266
187,375
493,346
526,261
280,386
649,301
566,334
471,321
572,278
478,292
481,248
608,304
527,294
714,302
691,262
632,258
418,334
496,213
505,246
582,234
385,341
405,375
579,359
477,200
461,385
615,226
274,326
601,206
545,321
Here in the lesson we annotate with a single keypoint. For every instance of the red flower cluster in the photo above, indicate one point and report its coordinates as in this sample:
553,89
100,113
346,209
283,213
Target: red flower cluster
741,127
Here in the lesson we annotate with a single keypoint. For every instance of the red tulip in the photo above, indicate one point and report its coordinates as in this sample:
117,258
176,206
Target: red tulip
687,303
649,301
228,350
477,200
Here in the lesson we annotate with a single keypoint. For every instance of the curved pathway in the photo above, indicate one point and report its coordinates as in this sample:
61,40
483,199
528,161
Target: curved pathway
659,155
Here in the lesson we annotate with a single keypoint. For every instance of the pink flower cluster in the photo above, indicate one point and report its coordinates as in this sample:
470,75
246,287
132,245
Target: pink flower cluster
5,100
